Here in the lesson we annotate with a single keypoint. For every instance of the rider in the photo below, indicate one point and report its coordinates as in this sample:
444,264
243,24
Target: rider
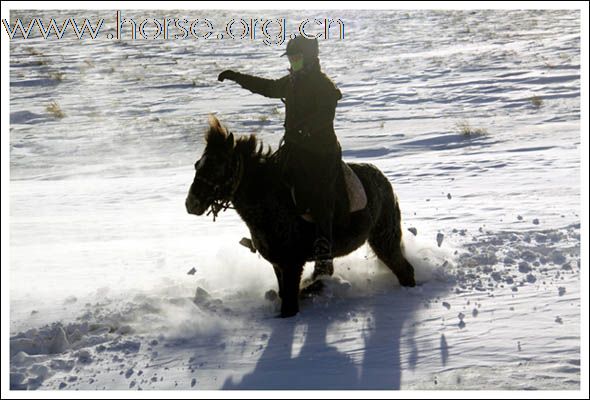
312,164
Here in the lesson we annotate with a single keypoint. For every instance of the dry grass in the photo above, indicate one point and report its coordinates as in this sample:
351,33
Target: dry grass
536,101
57,76
465,128
33,51
54,109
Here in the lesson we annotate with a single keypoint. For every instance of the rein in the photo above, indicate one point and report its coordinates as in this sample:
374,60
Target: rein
222,202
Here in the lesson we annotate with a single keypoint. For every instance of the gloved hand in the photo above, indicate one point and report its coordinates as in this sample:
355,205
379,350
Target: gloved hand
227,74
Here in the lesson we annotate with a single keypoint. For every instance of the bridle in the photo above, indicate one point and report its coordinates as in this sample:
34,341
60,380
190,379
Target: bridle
224,194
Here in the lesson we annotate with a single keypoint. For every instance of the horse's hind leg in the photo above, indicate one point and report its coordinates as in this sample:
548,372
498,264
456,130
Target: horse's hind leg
386,241
389,250
322,268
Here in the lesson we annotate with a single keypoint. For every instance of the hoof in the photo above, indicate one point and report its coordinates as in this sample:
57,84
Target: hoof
313,289
271,295
407,281
288,314
289,308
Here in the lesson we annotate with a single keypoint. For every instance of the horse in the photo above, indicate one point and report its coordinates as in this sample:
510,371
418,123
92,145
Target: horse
239,172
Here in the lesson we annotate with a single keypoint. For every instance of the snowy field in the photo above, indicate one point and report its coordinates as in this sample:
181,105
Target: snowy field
474,116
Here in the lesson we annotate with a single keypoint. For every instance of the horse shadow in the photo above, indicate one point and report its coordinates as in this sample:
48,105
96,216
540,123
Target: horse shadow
321,366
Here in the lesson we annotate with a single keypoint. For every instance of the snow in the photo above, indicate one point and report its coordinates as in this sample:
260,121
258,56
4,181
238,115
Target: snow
100,242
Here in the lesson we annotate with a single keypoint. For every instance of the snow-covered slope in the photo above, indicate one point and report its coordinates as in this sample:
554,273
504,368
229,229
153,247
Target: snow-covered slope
474,116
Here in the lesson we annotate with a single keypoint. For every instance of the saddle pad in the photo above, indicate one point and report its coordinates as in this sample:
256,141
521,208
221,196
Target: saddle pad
357,197
354,187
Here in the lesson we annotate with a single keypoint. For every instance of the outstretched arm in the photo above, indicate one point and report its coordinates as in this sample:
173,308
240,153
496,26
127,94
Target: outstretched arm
273,88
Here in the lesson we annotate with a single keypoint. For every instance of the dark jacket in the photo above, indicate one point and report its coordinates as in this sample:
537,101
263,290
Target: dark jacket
310,101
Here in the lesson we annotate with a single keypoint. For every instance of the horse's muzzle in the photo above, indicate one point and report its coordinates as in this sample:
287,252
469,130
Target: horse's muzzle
193,206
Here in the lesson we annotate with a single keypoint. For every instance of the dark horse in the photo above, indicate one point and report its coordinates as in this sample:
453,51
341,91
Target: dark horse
238,171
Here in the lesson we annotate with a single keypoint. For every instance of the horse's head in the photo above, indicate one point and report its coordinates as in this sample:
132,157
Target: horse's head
215,172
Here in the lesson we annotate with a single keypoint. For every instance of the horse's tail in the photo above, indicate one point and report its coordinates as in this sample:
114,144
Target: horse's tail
386,236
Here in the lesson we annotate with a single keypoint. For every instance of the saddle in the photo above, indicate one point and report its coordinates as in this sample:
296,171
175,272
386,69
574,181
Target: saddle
357,197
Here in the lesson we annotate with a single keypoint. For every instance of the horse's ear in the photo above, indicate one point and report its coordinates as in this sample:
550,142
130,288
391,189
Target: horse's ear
215,128
230,141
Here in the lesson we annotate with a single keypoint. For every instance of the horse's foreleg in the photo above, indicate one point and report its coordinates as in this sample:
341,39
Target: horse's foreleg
279,275
289,288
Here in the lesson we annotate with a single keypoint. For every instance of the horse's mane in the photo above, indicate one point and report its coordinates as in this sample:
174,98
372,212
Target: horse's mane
249,147
252,149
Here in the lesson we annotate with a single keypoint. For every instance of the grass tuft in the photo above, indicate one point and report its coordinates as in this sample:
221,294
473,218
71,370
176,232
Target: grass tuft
465,128
536,101
54,109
